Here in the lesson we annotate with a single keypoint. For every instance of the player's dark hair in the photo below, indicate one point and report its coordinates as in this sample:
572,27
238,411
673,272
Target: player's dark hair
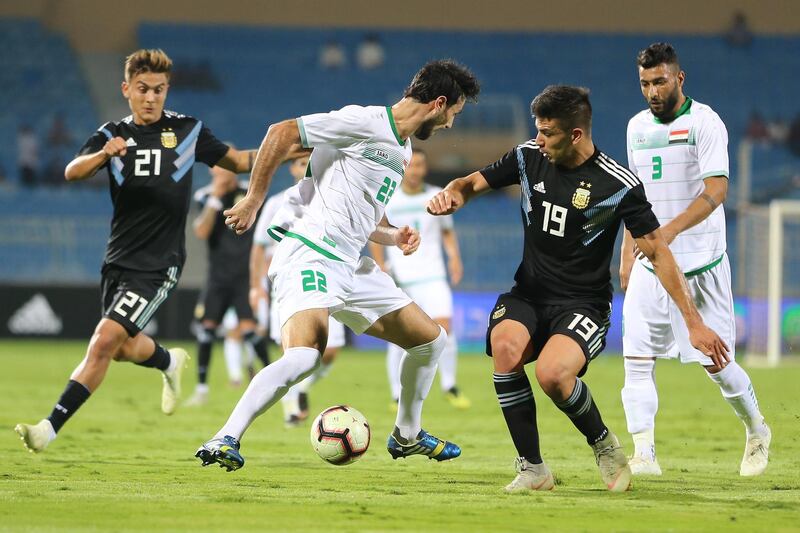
570,105
443,77
154,60
657,54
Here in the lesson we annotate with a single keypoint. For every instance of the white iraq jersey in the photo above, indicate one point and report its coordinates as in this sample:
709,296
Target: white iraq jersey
356,167
427,263
672,160
265,220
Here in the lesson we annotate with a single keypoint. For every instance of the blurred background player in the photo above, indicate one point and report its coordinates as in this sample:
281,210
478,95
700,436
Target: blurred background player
679,149
149,157
422,275
227,284
295,402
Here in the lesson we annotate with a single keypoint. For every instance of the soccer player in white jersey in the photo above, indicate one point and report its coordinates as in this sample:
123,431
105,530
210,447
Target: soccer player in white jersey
678,148
422,275
295,402
358,160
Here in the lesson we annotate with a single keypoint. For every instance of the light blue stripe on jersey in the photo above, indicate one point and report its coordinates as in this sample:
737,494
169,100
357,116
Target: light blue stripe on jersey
106,133
191,139
116,170
600,215
526,188
186,152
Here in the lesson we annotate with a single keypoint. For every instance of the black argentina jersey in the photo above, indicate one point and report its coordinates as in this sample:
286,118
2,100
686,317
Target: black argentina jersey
571,219
228,253
151,187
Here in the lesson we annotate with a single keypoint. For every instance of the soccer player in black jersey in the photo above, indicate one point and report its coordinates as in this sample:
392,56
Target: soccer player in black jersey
573,199
149,157
228,283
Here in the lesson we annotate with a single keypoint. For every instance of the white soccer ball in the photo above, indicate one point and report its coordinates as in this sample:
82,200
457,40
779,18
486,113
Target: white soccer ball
340,435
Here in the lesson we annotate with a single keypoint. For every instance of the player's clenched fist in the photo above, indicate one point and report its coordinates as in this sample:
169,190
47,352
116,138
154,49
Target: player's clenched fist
407,239
115,147
445,202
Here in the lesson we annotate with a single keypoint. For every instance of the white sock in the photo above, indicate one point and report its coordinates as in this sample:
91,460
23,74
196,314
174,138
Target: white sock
737,389
640,401
173,363
201,388
447,363
417,370
394,354
233,358
323,370
271,383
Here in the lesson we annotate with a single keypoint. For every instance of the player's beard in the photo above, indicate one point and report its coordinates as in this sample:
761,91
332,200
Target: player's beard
667,112
425,130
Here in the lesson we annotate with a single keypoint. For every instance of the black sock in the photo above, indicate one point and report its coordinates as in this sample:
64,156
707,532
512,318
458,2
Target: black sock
259,345
160,359
519,409
71,399
583,412
203,361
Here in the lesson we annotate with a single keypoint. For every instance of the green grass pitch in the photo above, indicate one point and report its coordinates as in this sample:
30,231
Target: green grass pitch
120,465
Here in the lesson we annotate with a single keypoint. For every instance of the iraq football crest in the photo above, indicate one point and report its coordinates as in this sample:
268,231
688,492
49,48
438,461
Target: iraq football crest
169,139
581,197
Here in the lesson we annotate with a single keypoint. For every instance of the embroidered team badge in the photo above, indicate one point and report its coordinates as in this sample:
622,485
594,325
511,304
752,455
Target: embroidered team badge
581,197
500,311
169,139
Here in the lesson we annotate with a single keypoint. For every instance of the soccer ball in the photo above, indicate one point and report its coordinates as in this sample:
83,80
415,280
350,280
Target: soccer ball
340,435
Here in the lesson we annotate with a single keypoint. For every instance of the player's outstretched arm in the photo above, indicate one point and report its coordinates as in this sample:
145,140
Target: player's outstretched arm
457,193
258,271
655,248
454,265
626,258
406,238
86,166
280,141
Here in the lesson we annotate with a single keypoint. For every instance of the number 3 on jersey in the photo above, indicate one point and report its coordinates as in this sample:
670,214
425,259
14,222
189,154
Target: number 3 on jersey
657,167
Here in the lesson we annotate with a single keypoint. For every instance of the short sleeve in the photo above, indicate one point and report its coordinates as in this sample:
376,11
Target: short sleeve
504,171
96,142
339,128
637,213
712,148
209,149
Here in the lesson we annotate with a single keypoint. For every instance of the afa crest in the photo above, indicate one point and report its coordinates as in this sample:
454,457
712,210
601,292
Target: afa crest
499,311
581,197
169,139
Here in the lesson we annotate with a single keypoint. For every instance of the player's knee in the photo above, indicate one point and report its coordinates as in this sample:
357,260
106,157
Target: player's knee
106,346
507,354
553,379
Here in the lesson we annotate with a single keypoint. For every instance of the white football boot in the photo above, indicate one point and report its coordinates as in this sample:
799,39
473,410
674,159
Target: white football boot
613,464
171,392
36,437
530,477
756,453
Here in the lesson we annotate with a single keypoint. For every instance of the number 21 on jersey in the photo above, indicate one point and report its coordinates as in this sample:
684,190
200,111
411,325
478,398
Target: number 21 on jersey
147,160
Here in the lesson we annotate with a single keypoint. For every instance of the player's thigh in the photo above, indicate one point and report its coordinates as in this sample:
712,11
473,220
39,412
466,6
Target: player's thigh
576,335
131,297
406,327
218,299
372,306
306,328
435,298
510,336
713,297
240,300
646,325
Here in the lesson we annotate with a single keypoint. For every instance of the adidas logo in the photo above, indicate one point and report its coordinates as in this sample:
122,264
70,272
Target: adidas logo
35,317
130,142
539,187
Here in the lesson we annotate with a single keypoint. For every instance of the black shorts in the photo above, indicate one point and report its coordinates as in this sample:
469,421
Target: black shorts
217,298
131,297
584,322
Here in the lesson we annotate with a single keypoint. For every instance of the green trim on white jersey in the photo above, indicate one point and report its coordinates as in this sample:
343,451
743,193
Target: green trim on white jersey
696,271
685,109
303,137
400,141
278,233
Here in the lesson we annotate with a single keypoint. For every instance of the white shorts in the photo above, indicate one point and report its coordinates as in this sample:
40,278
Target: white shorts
263,313
653,326
434,297
355,294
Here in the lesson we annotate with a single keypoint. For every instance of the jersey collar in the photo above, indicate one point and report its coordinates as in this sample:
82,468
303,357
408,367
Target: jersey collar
400,141
683,110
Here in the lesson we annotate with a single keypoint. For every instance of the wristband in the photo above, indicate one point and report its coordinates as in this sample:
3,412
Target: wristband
214,203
